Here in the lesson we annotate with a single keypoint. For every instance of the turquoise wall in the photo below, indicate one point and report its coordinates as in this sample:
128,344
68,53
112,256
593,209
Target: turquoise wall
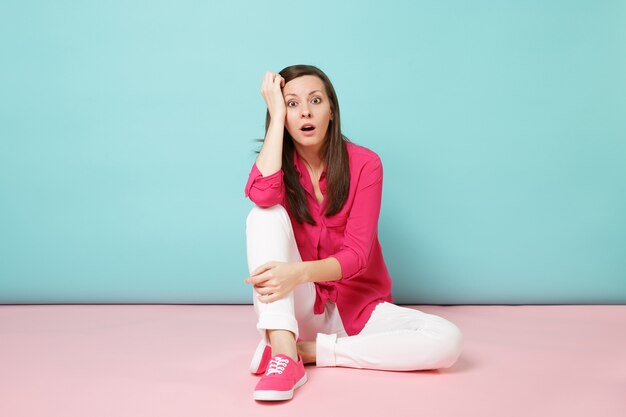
127,133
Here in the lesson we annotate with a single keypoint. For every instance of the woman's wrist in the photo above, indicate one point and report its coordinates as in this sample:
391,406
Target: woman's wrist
303,272
278,119
321,270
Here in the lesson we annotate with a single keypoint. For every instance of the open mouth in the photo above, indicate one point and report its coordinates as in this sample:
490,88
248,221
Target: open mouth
307,128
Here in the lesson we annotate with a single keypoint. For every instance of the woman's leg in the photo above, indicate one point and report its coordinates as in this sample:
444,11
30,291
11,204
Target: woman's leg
395,339
269,237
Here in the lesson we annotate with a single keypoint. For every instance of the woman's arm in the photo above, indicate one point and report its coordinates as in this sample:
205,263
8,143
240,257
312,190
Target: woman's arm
269,160
322,270
274,280
265,185
362,223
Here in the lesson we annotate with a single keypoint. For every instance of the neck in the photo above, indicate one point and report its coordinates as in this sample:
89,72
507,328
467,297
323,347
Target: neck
311,157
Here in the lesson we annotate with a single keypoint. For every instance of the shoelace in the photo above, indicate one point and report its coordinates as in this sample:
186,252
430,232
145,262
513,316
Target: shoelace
277,366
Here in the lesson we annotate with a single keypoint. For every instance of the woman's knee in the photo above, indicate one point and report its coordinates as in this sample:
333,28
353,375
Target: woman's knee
267,215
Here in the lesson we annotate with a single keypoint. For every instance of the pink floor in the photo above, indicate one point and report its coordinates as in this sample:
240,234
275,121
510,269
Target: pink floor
185,361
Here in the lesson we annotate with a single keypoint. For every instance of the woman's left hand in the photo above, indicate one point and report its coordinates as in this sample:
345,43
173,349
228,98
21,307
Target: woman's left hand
274,280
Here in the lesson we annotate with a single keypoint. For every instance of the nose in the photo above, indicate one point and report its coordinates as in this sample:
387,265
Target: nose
305,111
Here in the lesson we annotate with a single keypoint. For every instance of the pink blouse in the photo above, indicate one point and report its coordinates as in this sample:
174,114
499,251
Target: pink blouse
350,236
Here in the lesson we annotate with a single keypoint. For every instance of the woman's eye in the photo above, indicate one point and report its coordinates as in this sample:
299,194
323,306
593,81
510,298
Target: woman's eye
291,103
316,100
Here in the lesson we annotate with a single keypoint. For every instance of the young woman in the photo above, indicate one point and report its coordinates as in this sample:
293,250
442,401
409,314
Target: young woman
322,292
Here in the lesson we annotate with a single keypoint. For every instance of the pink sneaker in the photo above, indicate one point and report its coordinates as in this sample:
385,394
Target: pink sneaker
283,376
261,358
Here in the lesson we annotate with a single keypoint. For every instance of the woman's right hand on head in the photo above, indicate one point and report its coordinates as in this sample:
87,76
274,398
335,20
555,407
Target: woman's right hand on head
271,89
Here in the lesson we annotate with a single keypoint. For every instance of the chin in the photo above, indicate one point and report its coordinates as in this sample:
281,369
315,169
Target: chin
309,141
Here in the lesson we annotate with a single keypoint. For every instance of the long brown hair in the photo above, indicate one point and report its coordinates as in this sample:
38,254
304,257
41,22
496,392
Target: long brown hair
334,154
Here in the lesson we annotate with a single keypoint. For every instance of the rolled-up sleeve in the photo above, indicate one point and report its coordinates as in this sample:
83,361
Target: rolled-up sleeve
362,223
265,191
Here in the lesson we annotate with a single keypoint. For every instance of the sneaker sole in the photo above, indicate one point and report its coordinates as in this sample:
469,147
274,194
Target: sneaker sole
257,358
279,395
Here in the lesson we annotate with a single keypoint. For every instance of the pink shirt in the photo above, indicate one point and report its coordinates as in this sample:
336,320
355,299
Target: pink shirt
350,236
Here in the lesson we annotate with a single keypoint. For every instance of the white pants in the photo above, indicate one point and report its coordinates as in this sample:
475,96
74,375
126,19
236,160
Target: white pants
395,338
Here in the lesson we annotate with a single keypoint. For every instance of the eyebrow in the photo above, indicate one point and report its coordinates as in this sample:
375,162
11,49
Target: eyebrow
314,91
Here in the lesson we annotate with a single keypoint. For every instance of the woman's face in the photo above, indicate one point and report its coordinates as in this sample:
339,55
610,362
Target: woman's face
308,110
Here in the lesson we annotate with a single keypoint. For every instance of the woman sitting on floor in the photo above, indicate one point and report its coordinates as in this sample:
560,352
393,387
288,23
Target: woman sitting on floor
322,292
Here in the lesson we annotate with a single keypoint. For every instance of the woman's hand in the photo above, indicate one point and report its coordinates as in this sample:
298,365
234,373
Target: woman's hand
274,280
271,88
